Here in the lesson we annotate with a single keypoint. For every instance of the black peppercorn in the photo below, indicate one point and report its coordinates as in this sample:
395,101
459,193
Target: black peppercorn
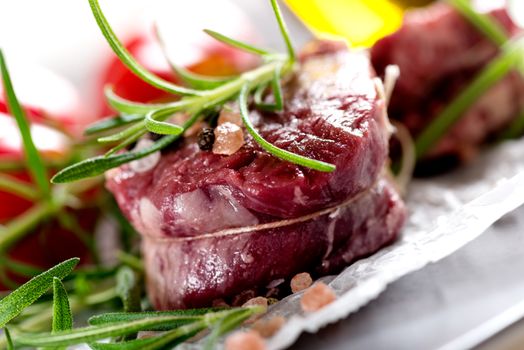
206,139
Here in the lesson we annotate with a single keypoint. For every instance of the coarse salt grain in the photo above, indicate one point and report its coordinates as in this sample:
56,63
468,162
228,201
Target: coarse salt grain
249,340
267,328
300,282
258,301
229,138
316,297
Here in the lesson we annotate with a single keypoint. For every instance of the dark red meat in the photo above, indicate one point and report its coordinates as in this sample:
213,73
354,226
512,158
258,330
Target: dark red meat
186,274
48,243
439,52
332,113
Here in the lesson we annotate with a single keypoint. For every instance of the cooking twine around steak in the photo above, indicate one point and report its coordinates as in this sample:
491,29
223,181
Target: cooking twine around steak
269,225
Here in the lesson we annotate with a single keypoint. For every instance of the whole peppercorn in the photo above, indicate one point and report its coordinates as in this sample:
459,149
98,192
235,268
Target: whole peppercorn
206,139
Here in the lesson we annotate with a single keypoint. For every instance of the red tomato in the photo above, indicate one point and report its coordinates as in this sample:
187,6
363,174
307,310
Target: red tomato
49,243
184,43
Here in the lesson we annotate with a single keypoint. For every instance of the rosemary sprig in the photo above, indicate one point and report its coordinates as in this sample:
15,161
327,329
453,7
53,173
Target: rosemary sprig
181,327
283,30
210,94
129,61
18,300
18,227
10,345
129,289
511,56
13,185
237,44
111,123
62,318
490,28
515,129
277,152
34,162
199,81
185,316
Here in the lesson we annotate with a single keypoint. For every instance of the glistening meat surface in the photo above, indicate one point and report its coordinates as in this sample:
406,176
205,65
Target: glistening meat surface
439,53
193,273
332,113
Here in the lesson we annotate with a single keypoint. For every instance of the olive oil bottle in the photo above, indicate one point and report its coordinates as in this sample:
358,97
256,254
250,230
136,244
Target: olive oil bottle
360,22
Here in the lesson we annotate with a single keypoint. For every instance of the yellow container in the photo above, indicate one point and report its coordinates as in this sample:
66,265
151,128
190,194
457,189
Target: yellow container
360,22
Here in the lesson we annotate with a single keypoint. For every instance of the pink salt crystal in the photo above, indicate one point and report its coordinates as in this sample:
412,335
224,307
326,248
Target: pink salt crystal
300,282
228,115
267,328
229,138
258,301
316,297
249,340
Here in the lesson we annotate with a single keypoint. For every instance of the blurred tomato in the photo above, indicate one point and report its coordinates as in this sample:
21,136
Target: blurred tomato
48,243
184,43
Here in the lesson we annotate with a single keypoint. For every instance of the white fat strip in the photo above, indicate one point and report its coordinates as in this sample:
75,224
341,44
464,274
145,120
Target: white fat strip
147,163
219,207
151,217
390,80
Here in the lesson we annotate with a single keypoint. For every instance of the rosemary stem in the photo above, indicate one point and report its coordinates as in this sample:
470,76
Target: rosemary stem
515,129
493,73
18,227
13,185
261,75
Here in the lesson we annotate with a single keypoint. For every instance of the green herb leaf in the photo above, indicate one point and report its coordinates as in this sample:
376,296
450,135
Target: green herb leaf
161,128
237,44
128,288
283,30
62,318
167,340
12,185
112,123
186,316
98,165
10,345
130,260
122,135
515,129
487,25
34,162
19,226
125,106
94,333
277,94
19,299
274,150
492,73
126,142
198,81
227,324
129,61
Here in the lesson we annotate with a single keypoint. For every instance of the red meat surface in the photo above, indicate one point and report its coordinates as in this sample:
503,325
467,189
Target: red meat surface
439,53
332,113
